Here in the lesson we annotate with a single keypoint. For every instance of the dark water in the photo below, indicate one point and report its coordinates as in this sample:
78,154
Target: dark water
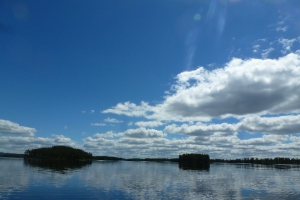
146,180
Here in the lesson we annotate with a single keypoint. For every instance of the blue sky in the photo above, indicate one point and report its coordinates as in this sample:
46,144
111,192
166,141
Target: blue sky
151,78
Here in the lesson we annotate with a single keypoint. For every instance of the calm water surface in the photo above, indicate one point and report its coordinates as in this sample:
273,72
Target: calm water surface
146,180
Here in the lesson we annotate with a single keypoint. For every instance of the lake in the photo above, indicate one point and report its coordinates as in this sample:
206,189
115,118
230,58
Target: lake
146,180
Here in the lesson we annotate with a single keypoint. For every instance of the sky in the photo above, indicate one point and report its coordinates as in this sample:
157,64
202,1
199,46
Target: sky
152,78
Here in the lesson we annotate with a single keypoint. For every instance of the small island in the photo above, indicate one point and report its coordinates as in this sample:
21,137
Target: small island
194,161
58,153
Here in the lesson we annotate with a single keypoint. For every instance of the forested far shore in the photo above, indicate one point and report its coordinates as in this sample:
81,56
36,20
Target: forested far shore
263,161
64,152
106,158
153,159
11,155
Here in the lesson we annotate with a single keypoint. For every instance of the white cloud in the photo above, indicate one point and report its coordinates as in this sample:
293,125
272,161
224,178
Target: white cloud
92,111
216,146
109,134
281,24
265,53
112,120
282,125
143,133
8,127
282,28
98,124
201,129
149,123
279,125
20,144
60,139
287,44
256,48
129,109
130,123
241,88
263,95
265,140
218,140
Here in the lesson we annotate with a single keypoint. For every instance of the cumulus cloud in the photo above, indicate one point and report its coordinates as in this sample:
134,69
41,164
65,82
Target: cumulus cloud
20,144
241,88
109,134
217,145
143,133
8,127
279,125
282,125
129,109
265,140
60,139
261,95
201,129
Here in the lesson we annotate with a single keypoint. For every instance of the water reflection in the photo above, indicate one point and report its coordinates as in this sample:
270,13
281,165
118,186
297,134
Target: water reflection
61,166
265,167
193,167
148,180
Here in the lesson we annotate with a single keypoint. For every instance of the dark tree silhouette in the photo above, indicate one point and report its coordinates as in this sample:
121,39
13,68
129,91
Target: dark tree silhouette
264,161
194,161
58,153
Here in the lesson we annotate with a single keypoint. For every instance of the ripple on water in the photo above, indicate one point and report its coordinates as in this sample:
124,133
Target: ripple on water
132,180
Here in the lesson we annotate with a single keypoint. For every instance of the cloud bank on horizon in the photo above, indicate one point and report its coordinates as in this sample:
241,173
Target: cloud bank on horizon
248,106
262,95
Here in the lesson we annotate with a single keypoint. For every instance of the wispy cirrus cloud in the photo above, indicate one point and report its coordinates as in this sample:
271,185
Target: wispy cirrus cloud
112,120
98,124
287,44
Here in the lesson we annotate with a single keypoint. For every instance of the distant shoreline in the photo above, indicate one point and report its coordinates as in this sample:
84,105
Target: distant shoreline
265,161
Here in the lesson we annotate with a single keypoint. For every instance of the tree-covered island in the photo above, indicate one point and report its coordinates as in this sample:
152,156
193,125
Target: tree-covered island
194,161
58,153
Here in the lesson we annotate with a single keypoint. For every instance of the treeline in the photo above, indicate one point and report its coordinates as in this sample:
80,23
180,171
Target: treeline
136,159
12,155
153,159
263,161
194,161
106,158
59,153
